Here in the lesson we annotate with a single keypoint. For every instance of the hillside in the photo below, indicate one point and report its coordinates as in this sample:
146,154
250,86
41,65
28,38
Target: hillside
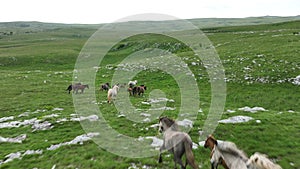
42,126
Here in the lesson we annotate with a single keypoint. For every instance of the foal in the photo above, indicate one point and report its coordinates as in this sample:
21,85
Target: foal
176,142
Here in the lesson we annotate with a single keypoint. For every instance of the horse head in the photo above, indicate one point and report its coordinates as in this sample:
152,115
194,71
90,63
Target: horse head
210,142
165,123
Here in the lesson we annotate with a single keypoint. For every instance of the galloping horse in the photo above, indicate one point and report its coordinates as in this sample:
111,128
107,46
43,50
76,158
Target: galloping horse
105,87
80,87
233,157
176,142
72,87
210,142
139,90
261,161
112,93
131,84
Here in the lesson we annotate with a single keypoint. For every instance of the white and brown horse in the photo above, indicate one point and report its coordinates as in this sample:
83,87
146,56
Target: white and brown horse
232,156
210,143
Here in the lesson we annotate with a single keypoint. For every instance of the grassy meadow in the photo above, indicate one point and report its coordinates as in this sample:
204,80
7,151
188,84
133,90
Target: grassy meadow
37,64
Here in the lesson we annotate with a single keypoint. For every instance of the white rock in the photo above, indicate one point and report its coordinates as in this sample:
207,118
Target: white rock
236,119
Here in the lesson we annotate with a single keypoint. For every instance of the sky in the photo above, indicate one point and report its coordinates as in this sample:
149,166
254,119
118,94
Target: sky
108,11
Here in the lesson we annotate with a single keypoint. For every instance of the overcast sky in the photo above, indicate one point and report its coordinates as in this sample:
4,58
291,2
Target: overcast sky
107,11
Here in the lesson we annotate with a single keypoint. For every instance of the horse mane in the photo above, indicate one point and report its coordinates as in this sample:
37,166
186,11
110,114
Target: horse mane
230,147
169,122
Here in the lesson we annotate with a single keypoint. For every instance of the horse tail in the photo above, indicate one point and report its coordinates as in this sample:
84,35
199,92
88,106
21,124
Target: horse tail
189,154
69,87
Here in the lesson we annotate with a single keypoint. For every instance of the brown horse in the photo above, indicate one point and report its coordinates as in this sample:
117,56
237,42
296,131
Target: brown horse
139,90
80,87
210,142
72,86
130,90
176,142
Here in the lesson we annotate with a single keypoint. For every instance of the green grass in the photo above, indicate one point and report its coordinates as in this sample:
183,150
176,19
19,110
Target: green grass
260,62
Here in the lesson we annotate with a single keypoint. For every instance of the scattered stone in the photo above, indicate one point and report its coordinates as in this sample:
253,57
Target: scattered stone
3,119
296,80
18,139
77,140
236,119
185,123
252,110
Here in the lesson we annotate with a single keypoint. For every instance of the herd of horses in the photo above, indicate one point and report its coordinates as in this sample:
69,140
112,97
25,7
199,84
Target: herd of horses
178,143
133,89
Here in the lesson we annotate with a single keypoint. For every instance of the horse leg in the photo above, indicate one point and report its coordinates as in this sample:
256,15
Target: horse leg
177,159
214,165
161,149
159,158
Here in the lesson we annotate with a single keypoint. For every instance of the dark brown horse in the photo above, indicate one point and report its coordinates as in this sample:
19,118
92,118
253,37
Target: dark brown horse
210,143
139,90
104,87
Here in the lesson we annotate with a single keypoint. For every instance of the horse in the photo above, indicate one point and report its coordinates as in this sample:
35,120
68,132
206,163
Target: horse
139,90
131,84
71,87
80,87
130,91
261,161
104,86
228,151
112,93
210,142
176,142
